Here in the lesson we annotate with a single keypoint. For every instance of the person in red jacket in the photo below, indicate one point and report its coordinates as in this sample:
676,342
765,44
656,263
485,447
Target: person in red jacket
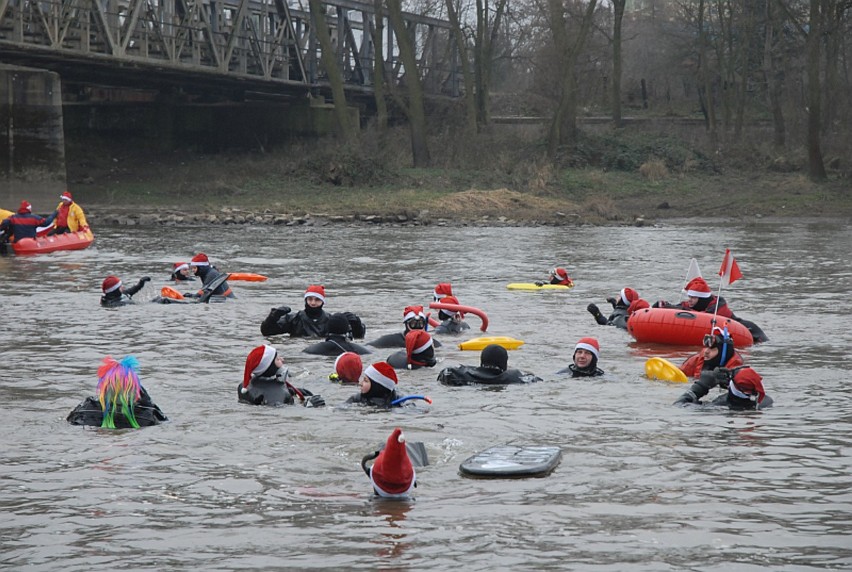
718,352
24,224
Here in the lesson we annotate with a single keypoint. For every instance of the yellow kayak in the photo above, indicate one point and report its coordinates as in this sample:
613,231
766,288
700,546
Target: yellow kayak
659,368
533,286
480,343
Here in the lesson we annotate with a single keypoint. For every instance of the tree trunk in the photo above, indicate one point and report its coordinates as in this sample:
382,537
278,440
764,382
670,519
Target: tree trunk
773,68
335,78
816,167
469,89
706,80
563,128
618,7
379,68
414,89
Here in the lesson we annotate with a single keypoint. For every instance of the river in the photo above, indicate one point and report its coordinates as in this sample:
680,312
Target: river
224,486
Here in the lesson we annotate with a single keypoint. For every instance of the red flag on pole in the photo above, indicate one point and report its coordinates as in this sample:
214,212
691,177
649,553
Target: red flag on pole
730,271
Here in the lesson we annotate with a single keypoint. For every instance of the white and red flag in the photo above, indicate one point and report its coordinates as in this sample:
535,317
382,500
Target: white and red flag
730,270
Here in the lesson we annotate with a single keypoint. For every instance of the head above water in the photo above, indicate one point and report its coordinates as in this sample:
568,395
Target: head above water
586,353
494,356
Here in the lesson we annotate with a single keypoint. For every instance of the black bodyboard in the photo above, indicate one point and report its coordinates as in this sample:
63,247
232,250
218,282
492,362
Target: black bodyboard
510,461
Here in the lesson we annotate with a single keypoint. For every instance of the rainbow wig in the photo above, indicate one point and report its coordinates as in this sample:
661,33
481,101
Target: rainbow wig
119,388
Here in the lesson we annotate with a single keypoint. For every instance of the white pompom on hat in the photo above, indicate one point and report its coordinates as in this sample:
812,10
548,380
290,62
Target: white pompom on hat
589,344
412,312
382,373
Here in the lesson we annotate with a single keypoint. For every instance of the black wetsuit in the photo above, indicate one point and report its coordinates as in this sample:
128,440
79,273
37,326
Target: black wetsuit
618,318
268,391
735,403
449,326
468,374
119,297
208,274
396,340
307,323
399,360
378,396
89,413
591,371
334,345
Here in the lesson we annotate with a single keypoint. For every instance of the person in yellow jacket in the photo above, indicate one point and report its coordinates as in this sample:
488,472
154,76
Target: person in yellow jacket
70,217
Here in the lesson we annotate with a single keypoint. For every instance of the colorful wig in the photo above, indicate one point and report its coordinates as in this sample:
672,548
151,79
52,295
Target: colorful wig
119,388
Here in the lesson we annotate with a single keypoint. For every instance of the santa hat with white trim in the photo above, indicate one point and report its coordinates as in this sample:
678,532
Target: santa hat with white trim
412,312
111,284
392,474
382,373
315,291
348,367
589,344
66,196
200,259
442,289
178,266
257,362
628,296
699,288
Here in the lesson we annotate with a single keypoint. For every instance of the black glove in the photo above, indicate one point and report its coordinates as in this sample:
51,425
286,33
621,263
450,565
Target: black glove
281,310
612,301
539,283
190,294
722,375
595,311
706,382
315,401
357,327
144,279
687,397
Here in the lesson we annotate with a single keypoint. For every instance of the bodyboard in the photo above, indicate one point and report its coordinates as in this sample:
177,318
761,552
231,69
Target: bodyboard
507,461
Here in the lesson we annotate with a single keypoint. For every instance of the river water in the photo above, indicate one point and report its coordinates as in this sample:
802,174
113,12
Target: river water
223,486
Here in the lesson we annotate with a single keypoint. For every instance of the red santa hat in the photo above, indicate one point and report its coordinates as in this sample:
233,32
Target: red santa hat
560,273
315,291
200,259
589,344
392,474
348,367
66,196
746,384
257,362
417,341
442,289
25,208
383,374
637,305
110,284
698,287
412,312
628,296
180,266
449,300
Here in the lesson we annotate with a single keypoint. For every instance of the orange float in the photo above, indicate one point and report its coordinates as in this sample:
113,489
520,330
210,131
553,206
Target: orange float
682,327
43,244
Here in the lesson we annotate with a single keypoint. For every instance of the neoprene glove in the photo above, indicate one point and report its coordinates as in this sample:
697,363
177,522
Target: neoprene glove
315,401
722,376
144,279
281,310
612,301
687,397
595,311
539,283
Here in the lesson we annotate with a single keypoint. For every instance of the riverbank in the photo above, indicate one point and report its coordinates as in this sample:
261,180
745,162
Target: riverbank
502,184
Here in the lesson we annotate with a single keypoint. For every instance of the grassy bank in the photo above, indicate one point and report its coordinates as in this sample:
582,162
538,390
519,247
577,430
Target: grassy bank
607,179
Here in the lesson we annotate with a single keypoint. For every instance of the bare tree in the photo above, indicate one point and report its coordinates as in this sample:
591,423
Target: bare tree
464,57
414,104
379,66
618,12
332,70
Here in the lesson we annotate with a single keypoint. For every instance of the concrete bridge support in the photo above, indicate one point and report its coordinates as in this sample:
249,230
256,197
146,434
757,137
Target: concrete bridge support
32,149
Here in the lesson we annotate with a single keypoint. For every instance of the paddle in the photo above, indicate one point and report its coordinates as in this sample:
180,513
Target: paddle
210,288
659,368
425,398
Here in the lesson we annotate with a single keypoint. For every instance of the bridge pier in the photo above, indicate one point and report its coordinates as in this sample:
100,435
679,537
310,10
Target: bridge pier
32,145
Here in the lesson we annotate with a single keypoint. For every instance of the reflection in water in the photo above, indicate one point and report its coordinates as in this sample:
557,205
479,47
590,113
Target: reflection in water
224,486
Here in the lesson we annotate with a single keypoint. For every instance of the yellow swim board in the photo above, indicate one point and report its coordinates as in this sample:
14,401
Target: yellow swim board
480,343
659,368
534,286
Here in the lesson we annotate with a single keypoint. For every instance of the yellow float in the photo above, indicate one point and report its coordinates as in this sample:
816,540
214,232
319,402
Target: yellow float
534,286
480,343
659,368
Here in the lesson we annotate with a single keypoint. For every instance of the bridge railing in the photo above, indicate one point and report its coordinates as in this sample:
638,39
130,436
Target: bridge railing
267,41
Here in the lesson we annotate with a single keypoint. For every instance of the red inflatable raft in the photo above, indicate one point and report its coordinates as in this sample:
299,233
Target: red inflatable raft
68,241
681,327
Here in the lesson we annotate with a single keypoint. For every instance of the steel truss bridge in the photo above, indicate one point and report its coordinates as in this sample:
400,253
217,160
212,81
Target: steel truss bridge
227,48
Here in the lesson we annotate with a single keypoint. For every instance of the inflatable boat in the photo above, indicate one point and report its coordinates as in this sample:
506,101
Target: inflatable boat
43,244
682,327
